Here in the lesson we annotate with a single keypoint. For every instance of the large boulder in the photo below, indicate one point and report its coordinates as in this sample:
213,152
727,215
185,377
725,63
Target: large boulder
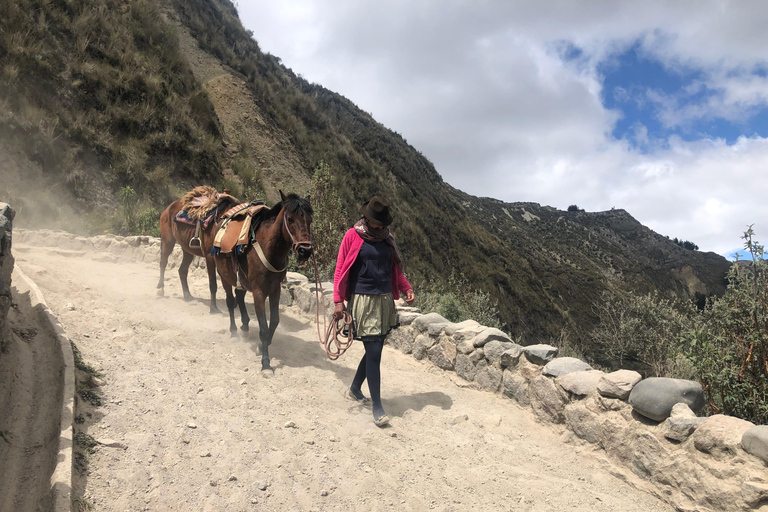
563,365
618,384
755,442
511,356
655,397
402,338
721,435
540,354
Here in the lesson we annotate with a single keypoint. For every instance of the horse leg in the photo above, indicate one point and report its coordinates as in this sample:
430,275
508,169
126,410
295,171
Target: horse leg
210,265
167,241
274,312
186,260
231,308
264,335
240,295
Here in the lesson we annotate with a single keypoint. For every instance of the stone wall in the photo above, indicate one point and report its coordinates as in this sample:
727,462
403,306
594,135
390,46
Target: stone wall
649,426
6,268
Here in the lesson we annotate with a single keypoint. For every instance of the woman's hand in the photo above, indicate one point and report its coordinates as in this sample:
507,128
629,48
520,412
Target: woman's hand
409,297
338,311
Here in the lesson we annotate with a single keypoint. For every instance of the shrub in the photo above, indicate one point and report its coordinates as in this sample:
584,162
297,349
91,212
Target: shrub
643,331
457,301
729,346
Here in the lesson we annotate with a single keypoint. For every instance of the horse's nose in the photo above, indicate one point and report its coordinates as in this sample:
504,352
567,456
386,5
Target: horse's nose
304,252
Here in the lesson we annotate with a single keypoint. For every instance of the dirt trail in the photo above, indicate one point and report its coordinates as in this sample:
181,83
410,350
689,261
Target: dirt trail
205,430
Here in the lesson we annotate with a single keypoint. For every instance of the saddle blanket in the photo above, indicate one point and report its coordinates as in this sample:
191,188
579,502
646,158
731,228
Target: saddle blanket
183,218
234,233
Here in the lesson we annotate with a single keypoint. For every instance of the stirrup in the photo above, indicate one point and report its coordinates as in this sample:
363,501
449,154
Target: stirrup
194,243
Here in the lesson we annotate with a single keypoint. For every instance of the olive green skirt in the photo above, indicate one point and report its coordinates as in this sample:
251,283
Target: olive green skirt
373,316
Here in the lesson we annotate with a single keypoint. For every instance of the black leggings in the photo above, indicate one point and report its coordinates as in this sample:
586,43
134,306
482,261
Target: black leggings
369,368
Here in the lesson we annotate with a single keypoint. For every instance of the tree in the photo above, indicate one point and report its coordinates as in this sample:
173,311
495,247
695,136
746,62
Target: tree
575,208
329,223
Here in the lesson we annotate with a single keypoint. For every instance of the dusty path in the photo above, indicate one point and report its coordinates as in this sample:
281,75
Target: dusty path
204,430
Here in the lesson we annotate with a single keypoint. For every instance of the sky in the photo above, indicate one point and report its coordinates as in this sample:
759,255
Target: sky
659,108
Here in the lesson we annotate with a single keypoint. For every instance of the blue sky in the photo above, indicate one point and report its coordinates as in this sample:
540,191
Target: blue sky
656,107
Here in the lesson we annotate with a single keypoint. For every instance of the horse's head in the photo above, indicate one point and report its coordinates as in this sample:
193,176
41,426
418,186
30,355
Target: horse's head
297,218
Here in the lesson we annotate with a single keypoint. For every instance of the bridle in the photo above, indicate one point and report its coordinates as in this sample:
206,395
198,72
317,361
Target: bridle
306,244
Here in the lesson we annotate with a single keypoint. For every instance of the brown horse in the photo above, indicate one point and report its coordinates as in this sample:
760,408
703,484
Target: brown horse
172,232
274,233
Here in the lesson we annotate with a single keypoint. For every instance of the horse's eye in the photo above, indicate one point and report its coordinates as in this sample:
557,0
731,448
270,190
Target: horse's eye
290,220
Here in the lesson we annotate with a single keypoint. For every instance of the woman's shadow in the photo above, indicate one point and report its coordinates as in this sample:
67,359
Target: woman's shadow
294,352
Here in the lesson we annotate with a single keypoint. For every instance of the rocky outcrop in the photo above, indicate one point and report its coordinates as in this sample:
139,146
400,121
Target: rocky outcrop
6,267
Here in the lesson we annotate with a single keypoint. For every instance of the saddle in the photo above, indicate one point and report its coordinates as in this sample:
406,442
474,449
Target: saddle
234,233
199,207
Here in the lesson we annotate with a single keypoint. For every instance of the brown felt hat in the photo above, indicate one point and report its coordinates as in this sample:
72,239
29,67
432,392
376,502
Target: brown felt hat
377,210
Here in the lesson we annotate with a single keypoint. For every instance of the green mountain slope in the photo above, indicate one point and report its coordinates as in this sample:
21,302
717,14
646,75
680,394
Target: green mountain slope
159,97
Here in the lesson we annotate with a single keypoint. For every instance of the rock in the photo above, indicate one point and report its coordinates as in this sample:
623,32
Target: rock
563,365
460,419
680,428
515,386
580,383
527,369
465,368
421,345
720,435
443,353
540,354
436,329
488,377
111,443
755,442
490,334
407,317
681,410
402,339
262,486
191,425
323,492
655,397
618,384
753,493
494,348
465,345
232,478
290,424
546,400
422,323
511,356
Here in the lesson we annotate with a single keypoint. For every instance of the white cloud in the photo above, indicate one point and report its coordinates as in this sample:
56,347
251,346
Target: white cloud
482,89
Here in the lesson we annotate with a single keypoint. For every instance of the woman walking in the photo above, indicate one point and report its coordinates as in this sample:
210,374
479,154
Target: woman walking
369,276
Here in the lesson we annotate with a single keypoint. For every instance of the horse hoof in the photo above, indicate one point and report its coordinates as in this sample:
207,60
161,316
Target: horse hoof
161,292
267,372
233,334
244,328
215,311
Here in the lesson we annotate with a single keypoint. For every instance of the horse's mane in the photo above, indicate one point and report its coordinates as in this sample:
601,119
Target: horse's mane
293,204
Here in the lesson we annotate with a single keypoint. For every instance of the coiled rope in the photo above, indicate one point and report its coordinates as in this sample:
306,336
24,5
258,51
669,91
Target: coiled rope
334,346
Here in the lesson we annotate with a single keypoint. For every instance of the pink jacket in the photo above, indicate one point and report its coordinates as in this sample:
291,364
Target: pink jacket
350,247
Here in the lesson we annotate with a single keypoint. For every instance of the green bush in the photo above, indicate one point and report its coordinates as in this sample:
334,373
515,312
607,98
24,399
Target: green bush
729,346
456,301
643,331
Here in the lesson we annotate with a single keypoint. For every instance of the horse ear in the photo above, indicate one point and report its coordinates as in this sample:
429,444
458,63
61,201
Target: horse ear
282,196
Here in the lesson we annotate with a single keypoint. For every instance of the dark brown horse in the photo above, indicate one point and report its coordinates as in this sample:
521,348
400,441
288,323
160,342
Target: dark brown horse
274,233
172,232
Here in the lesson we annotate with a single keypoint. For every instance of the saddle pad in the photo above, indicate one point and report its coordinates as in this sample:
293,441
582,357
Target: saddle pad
183,218
233,235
